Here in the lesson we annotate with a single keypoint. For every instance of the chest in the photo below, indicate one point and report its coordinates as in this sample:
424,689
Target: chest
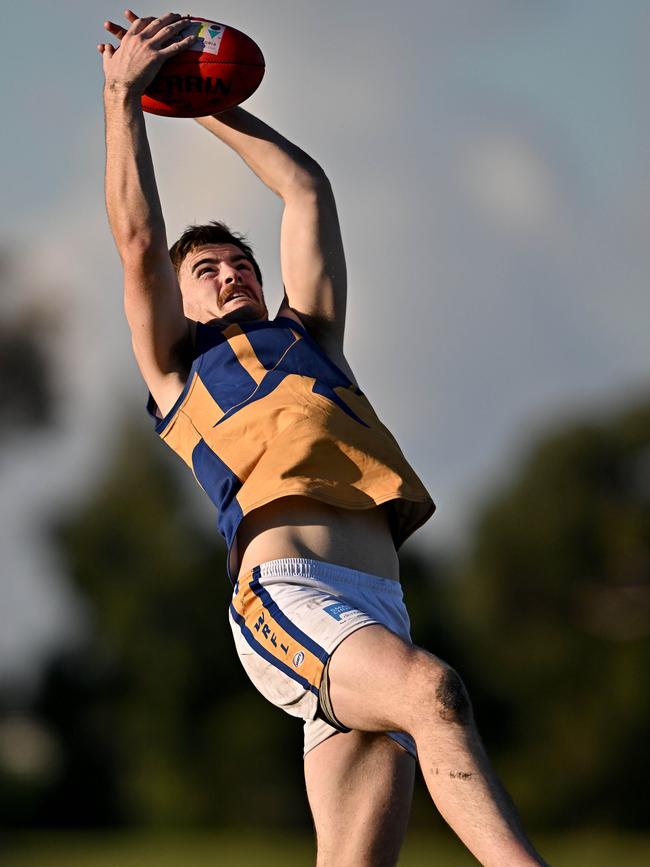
240,360
330,348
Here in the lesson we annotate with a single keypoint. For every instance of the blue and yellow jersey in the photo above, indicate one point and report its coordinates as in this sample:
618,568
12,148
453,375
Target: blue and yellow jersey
266,414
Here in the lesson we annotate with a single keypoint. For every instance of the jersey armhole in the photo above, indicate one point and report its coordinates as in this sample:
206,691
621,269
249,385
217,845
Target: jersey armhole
152,408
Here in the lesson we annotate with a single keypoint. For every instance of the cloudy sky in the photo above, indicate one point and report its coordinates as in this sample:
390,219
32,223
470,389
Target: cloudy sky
491,165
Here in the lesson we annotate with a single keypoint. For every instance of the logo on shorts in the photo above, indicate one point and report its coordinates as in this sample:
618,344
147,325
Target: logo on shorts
337,610
298,658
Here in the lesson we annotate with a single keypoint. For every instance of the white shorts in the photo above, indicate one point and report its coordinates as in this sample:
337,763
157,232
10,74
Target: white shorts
288,616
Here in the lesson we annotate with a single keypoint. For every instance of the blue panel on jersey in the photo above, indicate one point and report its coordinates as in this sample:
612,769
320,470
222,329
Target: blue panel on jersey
217,480
207,337
224,377
306,358
222,486
266,386
269,344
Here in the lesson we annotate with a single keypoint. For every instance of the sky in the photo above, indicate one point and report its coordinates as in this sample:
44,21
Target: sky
491,169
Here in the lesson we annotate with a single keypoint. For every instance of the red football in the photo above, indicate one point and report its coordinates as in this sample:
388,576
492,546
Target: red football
221,69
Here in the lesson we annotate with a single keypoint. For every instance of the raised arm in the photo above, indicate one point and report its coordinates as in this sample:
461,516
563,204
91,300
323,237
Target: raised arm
152,298
311,249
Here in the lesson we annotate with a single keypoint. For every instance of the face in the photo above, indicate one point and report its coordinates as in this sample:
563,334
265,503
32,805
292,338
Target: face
218,284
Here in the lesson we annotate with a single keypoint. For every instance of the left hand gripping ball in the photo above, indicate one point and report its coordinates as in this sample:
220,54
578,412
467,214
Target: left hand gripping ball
221,69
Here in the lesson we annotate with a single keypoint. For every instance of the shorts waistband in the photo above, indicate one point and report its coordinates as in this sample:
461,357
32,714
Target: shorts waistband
330,573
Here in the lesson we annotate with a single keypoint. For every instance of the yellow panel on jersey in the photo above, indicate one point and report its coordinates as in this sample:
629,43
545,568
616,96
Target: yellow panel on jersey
245,353
181,435
201,407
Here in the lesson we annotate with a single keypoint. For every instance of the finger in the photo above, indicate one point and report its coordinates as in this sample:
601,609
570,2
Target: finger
130,15
139,24
157,24
115,29
168,33
107,53
175,47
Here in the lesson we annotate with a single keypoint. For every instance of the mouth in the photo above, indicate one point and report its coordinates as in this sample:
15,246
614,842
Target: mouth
237,296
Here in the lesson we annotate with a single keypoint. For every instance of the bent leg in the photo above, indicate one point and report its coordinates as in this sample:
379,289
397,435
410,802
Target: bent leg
360,787
413,691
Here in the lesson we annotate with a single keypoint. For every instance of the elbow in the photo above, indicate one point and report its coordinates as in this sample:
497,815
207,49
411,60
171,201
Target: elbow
141,248
306,180
314,173
136,235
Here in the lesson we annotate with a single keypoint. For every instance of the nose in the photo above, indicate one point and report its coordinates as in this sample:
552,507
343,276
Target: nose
230,274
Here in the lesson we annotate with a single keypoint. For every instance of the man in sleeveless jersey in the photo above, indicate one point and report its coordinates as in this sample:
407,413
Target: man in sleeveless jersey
359,780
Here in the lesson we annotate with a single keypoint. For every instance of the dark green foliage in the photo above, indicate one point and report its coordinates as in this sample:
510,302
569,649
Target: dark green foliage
555,603
26,380
25,392
189,738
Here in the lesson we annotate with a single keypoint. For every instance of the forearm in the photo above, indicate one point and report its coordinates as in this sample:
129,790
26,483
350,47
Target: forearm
132,200
280,164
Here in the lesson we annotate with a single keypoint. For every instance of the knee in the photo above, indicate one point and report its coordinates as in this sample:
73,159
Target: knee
452,701
442,691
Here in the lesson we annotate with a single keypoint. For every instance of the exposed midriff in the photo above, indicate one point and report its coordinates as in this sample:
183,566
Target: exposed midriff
298,526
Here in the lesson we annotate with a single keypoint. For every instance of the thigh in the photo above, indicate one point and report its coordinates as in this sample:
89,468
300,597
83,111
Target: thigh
378,681
360,787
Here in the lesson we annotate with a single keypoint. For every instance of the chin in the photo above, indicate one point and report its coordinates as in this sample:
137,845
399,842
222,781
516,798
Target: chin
245,313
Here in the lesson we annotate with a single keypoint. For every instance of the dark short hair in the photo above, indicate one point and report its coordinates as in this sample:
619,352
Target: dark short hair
211,233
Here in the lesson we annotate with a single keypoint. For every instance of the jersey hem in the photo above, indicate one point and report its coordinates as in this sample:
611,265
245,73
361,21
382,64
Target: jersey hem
332,501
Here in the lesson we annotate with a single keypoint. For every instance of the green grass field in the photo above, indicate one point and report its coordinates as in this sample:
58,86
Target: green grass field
229,849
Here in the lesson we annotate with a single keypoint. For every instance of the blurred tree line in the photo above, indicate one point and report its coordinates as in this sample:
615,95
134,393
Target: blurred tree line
154,721
26,383
555,603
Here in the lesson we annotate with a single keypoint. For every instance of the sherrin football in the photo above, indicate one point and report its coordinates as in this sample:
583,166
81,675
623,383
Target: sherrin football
222,68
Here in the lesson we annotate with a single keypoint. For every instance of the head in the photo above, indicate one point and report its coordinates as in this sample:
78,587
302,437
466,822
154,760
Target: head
214,266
